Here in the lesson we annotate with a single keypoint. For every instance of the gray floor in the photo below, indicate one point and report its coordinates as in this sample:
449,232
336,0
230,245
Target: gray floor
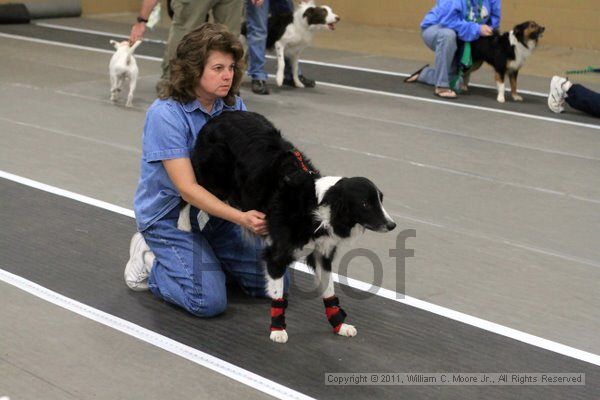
69,259
506,208
51,353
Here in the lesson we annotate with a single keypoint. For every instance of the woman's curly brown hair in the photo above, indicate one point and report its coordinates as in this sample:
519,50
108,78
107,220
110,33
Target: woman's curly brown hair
192,52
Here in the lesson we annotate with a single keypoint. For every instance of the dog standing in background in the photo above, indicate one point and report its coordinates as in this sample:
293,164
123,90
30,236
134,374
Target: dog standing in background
123,67
506,53
290,33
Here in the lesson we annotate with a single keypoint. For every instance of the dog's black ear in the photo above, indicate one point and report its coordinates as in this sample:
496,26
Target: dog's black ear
519,31
342,219
315,15
308,13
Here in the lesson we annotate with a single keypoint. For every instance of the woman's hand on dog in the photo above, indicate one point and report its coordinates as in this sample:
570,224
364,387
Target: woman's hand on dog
486,30
256,222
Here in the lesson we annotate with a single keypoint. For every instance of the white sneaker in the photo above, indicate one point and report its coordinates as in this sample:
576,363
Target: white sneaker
556,98
141,259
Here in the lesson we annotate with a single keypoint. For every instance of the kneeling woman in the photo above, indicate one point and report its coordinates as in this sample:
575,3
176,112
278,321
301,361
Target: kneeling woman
443,24
190,269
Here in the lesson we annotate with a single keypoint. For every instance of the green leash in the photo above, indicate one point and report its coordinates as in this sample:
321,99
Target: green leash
466,60
583,71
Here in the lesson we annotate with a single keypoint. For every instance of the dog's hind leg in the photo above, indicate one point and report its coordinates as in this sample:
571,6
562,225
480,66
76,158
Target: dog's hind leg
132,84
335,314
500,86
467,76
118,84
114,89
464,87
512,76
294,61
280,50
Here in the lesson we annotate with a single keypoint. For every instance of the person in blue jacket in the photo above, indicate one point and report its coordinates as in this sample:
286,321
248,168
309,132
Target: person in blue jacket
448,20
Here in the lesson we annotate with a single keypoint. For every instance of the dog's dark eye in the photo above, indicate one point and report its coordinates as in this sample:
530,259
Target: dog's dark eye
366,205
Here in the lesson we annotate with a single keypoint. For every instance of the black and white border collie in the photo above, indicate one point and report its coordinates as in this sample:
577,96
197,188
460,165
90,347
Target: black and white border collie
242,158
506,53
291,33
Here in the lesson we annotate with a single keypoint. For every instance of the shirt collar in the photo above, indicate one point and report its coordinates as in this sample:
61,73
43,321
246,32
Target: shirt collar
217,107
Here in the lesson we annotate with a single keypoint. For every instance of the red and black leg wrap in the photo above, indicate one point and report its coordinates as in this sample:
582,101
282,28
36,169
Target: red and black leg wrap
278,307
335,315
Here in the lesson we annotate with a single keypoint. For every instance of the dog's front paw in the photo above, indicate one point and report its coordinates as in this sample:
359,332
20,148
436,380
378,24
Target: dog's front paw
347,330
500,98
279,336
279,79
516,97
464,88
298,83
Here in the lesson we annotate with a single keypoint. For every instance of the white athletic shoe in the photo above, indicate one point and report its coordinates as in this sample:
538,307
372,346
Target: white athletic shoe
558,92
141,259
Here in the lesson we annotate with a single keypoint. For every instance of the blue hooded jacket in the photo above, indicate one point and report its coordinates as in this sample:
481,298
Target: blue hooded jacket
453,14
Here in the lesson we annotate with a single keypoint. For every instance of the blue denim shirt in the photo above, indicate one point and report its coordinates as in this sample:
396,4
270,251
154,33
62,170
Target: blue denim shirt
170,132
453,14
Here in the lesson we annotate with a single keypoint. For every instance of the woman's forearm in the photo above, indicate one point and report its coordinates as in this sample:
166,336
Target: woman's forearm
202,199
182,175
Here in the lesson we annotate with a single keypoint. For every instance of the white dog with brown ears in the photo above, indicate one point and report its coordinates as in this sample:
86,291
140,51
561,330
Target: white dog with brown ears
123,67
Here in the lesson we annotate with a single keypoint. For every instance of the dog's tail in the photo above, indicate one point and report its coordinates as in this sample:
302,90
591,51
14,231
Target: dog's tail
134,46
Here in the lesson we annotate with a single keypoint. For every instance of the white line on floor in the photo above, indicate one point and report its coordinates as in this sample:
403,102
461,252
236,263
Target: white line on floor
311,62
73,135
359,285
189,353
457,172
93,32
461,105
465,136
334,85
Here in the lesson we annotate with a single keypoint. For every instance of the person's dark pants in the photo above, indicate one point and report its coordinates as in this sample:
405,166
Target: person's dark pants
583,99
277,7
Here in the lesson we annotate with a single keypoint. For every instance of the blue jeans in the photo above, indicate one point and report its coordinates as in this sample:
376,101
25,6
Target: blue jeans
443,42
191,268
256,35
583,99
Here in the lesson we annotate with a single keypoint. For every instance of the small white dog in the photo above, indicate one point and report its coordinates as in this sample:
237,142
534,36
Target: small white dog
123,66
289,34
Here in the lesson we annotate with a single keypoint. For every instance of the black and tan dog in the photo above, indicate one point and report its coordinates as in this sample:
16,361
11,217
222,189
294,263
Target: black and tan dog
506,53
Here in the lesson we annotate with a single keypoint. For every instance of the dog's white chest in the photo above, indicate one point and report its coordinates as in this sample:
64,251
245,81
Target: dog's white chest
521,52
296,37
326,244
